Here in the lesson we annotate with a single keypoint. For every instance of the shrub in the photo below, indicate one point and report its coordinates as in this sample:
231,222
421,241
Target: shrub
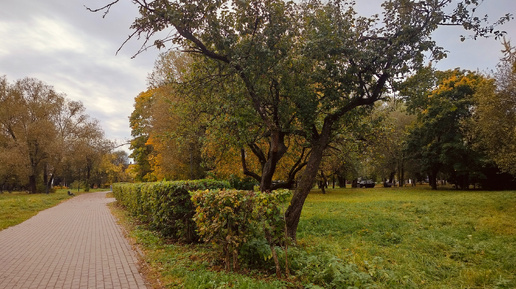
165,206
230,218
246,183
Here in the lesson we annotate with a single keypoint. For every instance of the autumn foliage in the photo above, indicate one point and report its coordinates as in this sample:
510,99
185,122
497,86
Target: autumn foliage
46,139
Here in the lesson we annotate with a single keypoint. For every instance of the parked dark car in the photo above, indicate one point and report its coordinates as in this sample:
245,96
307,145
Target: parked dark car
366,184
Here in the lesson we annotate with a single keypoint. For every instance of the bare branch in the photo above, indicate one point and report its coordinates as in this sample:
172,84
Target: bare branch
106,8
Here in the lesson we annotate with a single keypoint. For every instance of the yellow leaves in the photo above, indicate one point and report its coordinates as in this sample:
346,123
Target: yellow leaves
229,218
150,141
144,97
453,82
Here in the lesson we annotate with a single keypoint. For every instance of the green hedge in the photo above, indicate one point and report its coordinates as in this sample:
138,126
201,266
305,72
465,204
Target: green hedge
165,206
242,224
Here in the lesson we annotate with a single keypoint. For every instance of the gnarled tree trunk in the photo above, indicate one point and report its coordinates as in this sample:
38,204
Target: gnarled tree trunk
307,181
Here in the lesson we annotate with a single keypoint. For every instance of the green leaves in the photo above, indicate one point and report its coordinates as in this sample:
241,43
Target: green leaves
279,68
438,139
165,206
229,219
494,121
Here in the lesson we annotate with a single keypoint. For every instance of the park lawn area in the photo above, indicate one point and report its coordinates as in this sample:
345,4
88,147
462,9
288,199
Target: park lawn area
397,238
417,238
17,207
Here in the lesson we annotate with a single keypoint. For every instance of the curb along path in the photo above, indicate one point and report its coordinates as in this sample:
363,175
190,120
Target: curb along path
76,244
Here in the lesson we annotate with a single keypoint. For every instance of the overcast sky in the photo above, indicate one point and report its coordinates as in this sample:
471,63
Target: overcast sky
62,44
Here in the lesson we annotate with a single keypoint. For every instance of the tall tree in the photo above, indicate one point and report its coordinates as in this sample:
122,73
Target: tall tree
28,107
38,129
166,140
494,117
438,139
140,130
300,69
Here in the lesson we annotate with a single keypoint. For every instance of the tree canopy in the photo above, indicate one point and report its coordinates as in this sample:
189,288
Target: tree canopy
283,70
495,116
44,136
438,140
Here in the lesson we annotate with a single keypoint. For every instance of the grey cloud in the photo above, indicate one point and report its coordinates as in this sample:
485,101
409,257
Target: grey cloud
66,46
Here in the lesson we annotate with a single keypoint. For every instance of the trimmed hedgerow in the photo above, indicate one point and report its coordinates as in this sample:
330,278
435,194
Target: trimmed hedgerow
242,223
165,206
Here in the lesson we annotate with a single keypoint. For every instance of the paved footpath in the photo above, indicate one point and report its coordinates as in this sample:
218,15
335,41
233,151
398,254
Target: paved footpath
76,244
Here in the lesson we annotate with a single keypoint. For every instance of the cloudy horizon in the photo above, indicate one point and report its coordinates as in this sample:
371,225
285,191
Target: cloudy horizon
74,50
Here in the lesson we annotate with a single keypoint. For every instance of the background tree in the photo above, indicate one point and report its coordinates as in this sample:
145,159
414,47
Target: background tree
167,139
38,130
28,107
390,159
494,117
113,169
140,131
301,69
438,139
89,149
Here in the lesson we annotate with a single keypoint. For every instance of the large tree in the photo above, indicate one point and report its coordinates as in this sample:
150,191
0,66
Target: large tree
38,130
166,140
438,139
300,69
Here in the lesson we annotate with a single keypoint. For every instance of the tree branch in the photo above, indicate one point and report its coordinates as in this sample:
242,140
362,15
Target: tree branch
258,153
106,8
247,172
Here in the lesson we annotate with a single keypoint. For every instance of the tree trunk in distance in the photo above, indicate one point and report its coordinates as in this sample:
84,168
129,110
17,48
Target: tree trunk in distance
432,178
32,184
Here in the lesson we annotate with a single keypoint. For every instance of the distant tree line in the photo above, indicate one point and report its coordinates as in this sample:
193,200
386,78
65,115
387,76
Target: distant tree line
47,140
453,125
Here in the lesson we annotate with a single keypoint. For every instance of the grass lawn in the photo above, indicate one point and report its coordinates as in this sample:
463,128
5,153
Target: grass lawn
386,238
417,238
17,207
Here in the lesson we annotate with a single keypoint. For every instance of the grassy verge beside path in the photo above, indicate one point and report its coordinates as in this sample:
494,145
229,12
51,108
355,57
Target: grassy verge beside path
17,207
395,238
174,265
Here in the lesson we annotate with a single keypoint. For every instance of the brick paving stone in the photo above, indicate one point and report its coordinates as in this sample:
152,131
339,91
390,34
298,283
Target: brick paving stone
76,244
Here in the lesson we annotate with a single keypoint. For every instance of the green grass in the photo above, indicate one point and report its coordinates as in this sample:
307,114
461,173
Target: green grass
173,265
418,238
370,238
17,207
